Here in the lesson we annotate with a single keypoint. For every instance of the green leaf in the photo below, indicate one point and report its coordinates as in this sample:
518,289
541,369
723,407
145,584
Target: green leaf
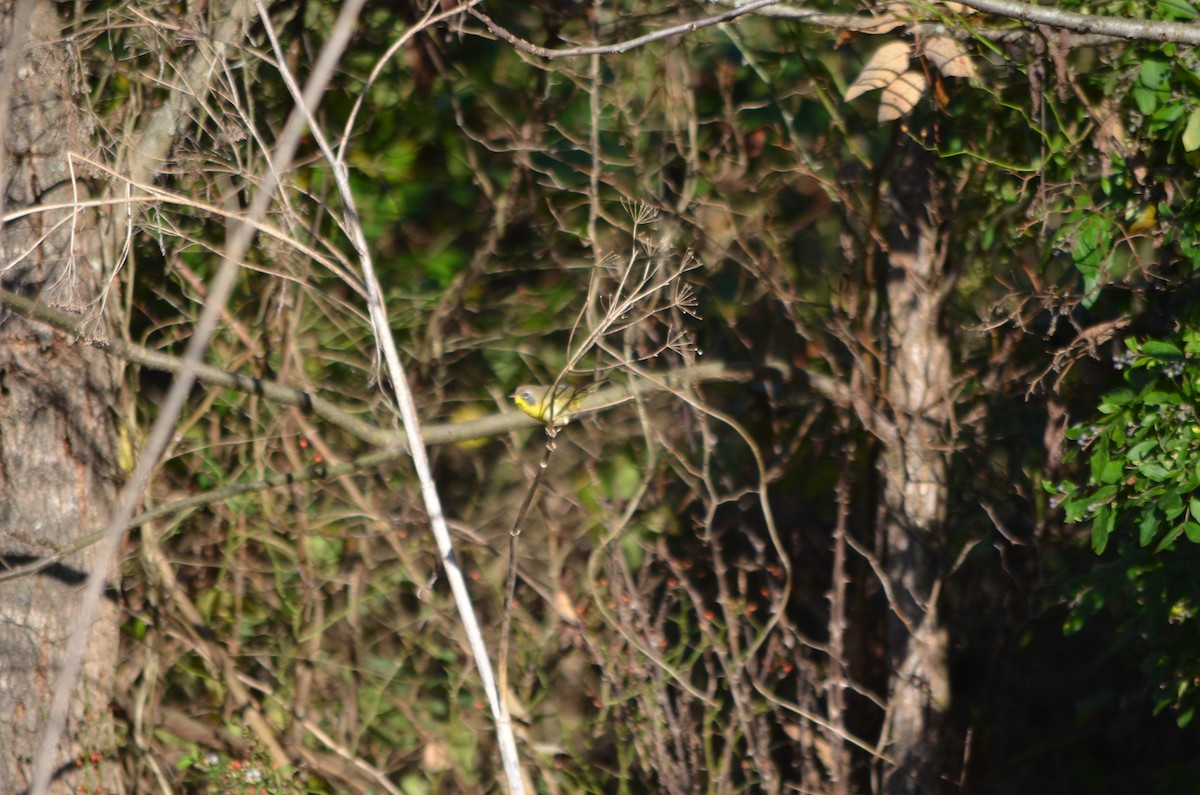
1139,450
634,552
1154,72
1099,460
1146,99
1102,528
1177,9
1077,510
1155,472
1167,115
1169,538
1112,472
1193,531
1089,241
1100,450
1121,397
1171,505
1161,350
1191,133
1148,528
1157,397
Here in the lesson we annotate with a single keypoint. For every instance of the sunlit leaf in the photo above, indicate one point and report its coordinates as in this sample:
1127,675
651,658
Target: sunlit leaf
884,67
901,96
950,58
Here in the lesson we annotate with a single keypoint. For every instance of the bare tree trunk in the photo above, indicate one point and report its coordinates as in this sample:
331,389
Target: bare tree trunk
58,477
913,466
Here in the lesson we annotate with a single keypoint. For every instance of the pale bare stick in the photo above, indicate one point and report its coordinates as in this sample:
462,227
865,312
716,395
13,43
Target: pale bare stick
412,426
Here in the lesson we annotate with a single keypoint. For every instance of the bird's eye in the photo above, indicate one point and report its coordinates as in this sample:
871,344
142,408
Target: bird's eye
527,395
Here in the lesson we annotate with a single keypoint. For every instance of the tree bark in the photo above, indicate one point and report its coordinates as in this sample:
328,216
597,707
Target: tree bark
913,468
58,477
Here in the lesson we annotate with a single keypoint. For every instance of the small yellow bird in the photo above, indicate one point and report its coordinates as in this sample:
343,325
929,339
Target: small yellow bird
535,401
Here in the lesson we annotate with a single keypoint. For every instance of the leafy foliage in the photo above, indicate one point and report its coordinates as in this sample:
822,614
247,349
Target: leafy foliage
1143,456
1143,450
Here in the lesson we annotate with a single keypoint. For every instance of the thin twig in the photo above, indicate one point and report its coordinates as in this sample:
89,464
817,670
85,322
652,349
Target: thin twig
884,583
510,579
836,681
619,47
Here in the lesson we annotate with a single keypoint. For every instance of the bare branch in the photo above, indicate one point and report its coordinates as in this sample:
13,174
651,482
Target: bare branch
623,46
1118,27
